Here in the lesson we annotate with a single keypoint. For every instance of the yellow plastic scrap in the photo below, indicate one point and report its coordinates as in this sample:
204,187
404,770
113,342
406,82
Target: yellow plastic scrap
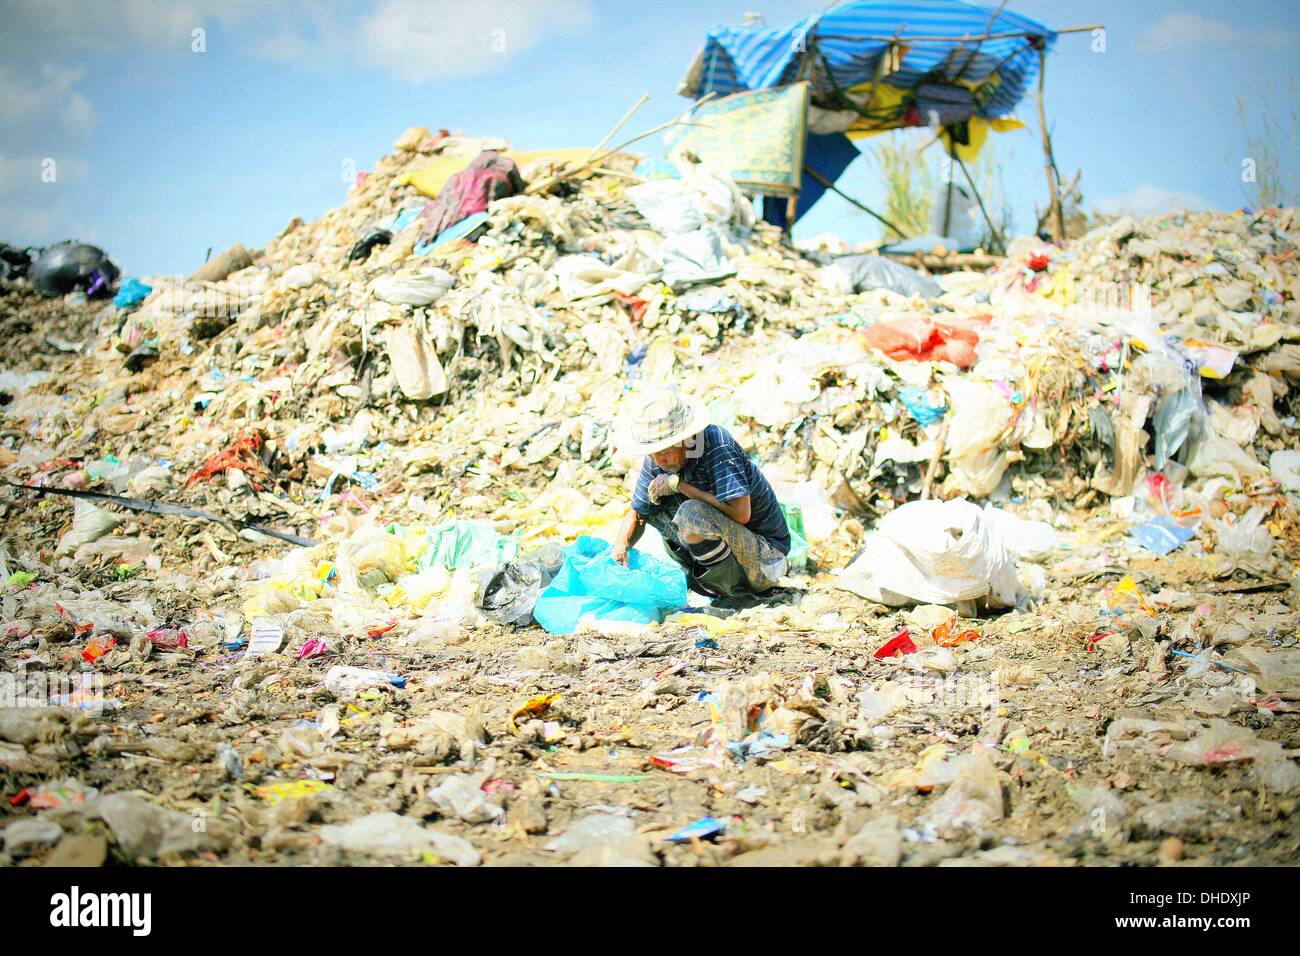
534,708
1127,595
1061,289
271,597
716,626
431,178
913,777
290,790
358,715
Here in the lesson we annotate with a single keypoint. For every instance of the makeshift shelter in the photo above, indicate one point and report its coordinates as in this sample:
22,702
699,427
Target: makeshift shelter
869,67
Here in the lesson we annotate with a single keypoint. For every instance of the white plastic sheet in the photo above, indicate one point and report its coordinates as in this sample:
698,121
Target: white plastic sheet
934,552
416,288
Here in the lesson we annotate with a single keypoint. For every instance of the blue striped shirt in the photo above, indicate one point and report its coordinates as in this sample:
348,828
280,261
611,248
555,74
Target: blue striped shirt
724,471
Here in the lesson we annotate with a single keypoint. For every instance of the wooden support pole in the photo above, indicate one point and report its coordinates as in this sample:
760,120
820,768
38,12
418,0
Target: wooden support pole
826,183
932,469
965,38
993,229
1055,219
947,202
973,53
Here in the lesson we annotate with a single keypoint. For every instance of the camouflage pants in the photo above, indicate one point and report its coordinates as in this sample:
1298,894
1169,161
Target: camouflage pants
762,563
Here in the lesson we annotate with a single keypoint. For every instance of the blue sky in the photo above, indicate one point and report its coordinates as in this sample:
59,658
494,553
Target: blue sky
161,152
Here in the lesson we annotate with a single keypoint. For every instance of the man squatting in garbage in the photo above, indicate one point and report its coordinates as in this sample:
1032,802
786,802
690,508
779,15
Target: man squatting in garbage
718,515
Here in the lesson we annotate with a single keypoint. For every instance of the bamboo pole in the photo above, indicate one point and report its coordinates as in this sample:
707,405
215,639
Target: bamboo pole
597,157
947,202
993,229
932,469
843,195
973,53
620,124
1049,161
970,38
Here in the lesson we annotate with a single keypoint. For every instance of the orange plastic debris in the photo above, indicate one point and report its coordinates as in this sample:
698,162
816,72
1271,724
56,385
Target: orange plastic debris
947,635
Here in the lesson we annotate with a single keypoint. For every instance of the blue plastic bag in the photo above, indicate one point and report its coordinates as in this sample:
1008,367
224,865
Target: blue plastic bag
919,404
1162,534
591,584
131,293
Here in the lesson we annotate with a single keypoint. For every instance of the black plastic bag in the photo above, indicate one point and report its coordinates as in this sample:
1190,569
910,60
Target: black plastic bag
509,593
362,248
14,262
67,266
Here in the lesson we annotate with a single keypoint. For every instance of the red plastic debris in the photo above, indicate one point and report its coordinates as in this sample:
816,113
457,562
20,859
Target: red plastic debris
1038,262
635,305
952,340
97,649
169,638
241,454
900,643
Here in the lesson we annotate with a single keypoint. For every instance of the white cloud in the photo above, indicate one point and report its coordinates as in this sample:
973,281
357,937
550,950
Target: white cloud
1177,31
27,225
35,99
417,43
78,26
413,40
1183,30
1148,200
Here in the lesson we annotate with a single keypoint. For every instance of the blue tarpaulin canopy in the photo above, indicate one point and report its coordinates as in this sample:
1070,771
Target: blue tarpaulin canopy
876,65
842,48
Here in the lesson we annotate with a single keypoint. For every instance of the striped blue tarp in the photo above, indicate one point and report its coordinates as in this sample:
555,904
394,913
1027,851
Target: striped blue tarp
750,58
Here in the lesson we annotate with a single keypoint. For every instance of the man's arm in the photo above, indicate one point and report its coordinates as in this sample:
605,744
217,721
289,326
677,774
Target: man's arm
737,509
629,533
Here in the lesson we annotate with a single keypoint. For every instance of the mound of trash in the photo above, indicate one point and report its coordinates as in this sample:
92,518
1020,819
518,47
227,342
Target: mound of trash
350,489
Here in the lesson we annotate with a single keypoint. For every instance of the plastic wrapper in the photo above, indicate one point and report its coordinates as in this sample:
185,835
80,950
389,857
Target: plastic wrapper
863,273
1285,468
509,593
1274,670
1162,534
1212,456
300,276
368,549
145,830
415,363
89,523
1246,537
1027,540
389,834
460,796
346,682
467,544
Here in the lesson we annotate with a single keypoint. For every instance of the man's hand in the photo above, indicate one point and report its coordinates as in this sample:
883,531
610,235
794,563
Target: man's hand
629,533
660,486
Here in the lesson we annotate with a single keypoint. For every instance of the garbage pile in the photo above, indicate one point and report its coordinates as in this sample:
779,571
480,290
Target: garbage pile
310,543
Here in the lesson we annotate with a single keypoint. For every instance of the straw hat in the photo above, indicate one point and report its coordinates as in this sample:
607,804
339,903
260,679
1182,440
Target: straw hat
659,420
